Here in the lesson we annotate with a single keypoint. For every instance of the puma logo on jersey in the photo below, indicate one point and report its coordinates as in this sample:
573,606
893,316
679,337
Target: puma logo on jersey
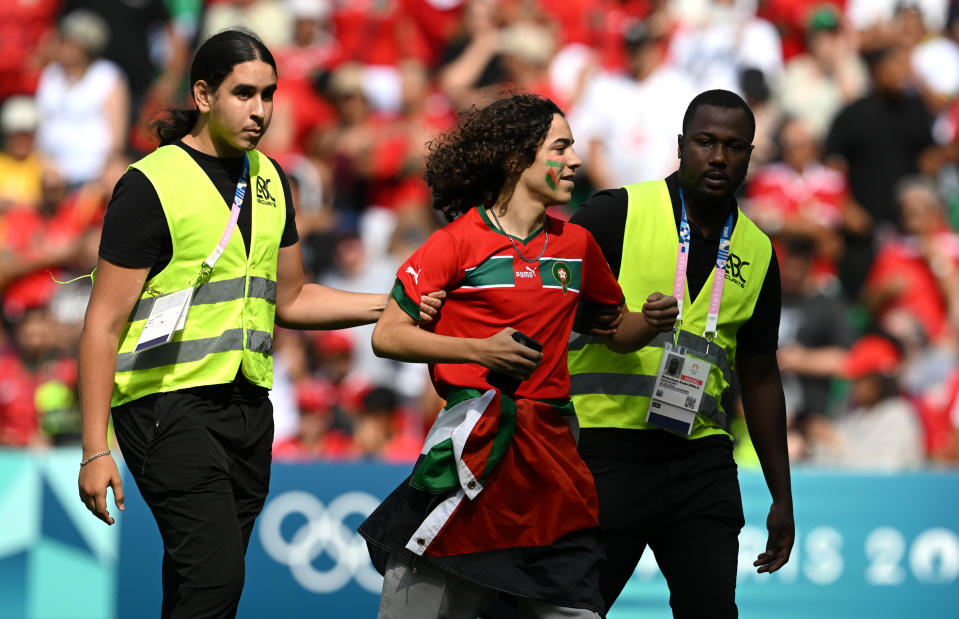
529,273
415,274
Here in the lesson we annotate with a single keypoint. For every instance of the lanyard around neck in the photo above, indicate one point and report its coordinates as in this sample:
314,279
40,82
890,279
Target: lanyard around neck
206,269
719,275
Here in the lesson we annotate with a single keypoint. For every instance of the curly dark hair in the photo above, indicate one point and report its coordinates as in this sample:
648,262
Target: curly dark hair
486,152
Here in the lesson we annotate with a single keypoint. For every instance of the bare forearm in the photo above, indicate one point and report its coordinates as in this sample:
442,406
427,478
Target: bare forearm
765,409
97,362
411,344
461,75
637,329
319,307
822,362
633,333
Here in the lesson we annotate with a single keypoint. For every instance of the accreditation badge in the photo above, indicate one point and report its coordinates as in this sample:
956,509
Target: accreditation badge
678,390
167,316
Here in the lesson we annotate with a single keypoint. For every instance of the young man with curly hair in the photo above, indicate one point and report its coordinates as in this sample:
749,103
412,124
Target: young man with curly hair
499,502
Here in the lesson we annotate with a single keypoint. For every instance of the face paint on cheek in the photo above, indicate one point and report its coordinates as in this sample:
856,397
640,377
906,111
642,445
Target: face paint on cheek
553,167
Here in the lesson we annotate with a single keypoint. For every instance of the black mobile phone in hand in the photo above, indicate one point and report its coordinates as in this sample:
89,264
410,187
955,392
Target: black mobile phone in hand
508,384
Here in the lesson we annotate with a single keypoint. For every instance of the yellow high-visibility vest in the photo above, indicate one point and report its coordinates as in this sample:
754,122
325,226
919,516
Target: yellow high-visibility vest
611,390
230,320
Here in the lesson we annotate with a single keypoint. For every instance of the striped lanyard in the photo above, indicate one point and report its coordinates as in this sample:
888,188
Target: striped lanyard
206,269
719,274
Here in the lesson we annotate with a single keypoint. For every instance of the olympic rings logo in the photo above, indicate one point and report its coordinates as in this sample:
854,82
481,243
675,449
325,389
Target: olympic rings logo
323,532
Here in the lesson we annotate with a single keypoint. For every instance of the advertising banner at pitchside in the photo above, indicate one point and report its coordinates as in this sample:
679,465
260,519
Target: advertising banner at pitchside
878,546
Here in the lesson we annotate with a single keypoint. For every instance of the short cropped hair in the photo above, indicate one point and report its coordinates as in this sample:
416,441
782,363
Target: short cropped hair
719,98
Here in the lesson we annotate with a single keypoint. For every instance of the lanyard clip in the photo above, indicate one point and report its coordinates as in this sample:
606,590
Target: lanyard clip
708,336
206,271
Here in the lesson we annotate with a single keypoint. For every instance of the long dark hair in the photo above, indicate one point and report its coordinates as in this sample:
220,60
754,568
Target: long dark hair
490,147
214,60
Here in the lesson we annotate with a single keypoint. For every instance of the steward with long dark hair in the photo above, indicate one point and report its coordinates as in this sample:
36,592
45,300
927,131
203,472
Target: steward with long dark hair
213,62
189,401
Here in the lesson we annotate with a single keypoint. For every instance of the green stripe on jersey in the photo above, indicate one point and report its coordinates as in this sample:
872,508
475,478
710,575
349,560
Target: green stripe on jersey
495,271
407,304
551,269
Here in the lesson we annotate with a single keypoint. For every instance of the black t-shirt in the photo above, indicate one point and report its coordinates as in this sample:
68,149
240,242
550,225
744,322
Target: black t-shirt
812,321
136,235
880,138
604,215
135,231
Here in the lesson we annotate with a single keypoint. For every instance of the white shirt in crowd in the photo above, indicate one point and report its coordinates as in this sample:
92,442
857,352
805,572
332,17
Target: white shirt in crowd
636,123
885,437
74,132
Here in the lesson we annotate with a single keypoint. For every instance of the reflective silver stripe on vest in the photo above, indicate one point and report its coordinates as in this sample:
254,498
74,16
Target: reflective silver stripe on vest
194,350
635,385
578,341
716,354
641,385
263,288
259,341
214,292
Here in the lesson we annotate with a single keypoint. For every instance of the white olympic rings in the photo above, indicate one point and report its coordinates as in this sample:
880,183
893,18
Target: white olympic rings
323,532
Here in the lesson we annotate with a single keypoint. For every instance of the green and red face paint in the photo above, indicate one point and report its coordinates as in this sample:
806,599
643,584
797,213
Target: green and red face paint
553,168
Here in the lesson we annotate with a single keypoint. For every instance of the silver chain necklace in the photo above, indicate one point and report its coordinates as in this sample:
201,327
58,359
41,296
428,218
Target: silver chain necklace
513,243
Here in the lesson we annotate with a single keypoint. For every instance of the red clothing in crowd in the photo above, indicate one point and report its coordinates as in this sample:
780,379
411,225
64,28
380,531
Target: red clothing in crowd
901,261
816,194
938,410
435,22
297,68
376,32
578,21
20,230
791,18
19,418
23,27
333,446
595,23
396,175
27,233
402,448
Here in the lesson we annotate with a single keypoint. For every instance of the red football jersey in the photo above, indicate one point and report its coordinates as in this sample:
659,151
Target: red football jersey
489,287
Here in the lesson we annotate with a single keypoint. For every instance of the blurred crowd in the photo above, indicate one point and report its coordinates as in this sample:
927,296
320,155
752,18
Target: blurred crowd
855,176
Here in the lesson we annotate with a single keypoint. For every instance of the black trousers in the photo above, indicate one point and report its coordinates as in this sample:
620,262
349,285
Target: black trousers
680,498
201,459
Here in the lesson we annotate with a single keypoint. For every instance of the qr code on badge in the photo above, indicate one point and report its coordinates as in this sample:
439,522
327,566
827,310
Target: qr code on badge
659,393
690,402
